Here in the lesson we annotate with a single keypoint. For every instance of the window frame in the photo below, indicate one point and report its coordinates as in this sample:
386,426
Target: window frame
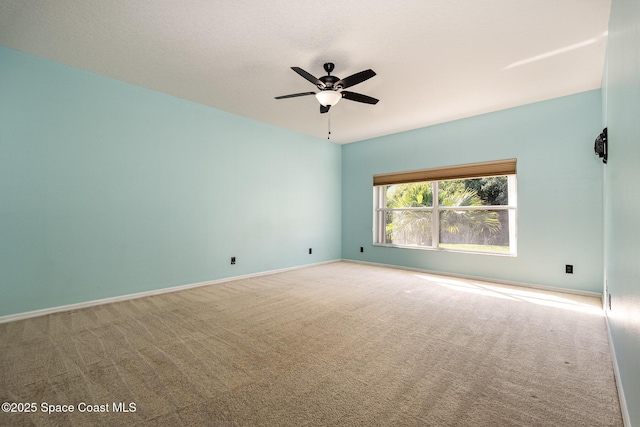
380,212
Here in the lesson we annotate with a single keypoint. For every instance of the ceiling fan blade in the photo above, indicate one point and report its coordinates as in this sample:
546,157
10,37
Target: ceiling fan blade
293,95
355,79
358,97
324,109
308,76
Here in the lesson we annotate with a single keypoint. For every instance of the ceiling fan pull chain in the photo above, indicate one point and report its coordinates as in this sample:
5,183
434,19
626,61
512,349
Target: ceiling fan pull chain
329,127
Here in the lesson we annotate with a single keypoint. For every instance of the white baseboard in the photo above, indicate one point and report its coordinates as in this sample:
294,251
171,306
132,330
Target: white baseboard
616,371
483,279
70,307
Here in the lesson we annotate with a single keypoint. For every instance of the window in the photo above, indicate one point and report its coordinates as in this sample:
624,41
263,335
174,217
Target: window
459,208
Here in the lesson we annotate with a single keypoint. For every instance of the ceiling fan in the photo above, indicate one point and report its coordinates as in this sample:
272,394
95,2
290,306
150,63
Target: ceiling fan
331,87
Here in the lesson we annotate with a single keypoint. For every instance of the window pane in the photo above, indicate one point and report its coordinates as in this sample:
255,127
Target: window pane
473,214
409,195
408,228
475,230
489,191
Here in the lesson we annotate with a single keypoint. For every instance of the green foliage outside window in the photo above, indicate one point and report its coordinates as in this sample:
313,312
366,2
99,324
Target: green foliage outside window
456,226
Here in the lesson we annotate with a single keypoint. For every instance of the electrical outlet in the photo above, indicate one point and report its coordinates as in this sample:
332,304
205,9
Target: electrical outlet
233,260
568,269
361,249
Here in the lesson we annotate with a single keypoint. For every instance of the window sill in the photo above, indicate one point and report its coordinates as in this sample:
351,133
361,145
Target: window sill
458,251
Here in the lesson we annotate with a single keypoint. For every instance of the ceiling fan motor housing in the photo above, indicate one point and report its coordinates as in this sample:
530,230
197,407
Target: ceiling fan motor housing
329,81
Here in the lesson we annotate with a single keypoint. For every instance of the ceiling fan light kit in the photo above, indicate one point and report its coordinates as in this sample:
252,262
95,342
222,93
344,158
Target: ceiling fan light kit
329,97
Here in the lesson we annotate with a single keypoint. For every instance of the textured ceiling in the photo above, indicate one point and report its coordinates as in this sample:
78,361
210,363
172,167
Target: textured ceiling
436,60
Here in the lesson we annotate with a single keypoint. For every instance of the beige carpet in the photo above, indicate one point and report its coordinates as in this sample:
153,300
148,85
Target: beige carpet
340,344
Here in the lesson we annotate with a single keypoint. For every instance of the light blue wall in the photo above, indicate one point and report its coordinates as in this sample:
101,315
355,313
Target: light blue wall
109,189
559,190
622,195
